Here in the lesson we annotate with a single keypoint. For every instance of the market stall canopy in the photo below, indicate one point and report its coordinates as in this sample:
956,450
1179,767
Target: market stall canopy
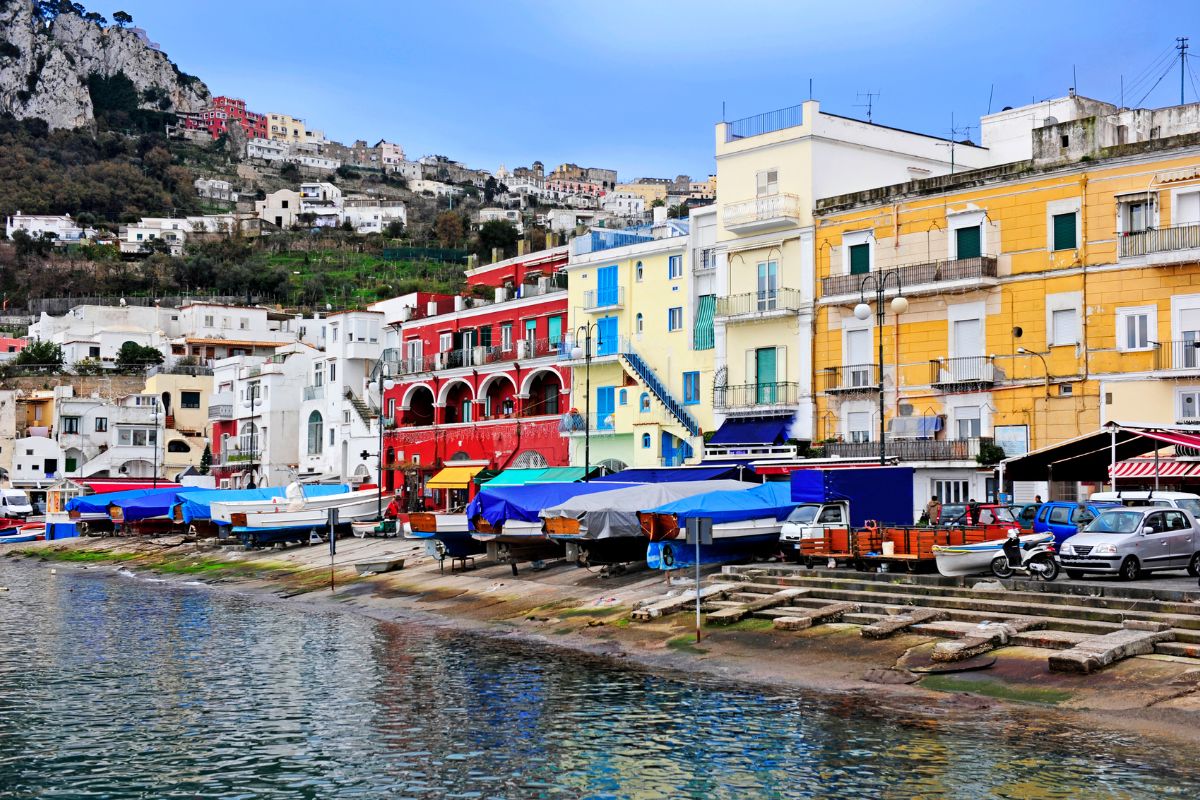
770,430
612,514
562,475
670,474
453,478
516,477
1089,457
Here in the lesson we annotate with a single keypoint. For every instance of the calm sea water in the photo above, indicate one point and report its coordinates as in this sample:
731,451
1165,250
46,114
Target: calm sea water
112,686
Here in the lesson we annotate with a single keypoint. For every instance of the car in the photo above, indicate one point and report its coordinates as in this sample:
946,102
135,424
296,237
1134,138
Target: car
1025,514
1131,541
15,503
1185,500
1066,519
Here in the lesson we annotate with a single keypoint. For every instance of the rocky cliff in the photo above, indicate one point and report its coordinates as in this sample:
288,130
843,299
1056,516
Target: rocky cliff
45,67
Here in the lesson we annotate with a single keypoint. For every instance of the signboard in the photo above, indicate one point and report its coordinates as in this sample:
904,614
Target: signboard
1012,439
701,528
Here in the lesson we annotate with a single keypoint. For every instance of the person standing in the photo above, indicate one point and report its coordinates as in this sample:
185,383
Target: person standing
933,510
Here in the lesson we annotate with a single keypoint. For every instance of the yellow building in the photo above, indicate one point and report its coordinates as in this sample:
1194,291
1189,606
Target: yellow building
285,128
1045,297
649,192
652,366
184,399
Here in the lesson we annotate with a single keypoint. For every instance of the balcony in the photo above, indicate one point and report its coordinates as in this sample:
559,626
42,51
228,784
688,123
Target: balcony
314,392
756,396
850,379
767,122
776,302
920,278
234,454
962,374
220,412
762,213
910,449
603,299
577,424
1177,356
1171,239
599,240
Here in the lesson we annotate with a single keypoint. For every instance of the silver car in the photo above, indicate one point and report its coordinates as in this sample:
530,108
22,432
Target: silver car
1131,541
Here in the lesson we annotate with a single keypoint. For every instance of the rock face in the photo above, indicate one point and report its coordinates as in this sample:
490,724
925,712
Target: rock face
44,68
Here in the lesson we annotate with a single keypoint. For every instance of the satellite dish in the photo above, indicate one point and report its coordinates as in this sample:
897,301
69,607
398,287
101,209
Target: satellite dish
1051,121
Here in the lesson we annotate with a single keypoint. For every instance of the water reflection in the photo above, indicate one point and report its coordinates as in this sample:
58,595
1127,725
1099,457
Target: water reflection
118,688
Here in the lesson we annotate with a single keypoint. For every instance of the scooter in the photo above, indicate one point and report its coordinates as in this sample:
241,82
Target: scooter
1032,560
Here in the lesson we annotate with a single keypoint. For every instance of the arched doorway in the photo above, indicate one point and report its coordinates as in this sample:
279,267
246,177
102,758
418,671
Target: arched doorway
530,459
417,409
545,388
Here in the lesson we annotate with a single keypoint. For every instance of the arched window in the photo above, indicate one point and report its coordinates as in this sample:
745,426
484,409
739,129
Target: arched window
248,440
639,270
316,431
644,403
638,324
623,397
646,441
177,446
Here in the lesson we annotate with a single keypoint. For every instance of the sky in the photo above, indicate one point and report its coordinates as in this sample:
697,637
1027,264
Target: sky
638,86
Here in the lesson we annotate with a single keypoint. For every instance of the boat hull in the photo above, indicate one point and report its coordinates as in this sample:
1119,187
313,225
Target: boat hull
955,561
450,539
613,550
732,541
349,509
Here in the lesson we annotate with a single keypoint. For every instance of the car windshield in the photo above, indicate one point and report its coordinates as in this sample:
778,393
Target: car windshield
803,514
1115,522
953,511
18,497
1191,505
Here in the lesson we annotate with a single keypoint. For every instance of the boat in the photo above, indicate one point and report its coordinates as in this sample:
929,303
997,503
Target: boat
221,509
297,524
604,528
745,523
31,532
445,535
956,560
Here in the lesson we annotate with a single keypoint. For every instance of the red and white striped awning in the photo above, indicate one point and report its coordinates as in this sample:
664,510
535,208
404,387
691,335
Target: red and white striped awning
1144,468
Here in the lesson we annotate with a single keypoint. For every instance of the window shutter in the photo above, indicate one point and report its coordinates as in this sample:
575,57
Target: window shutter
1064,231
751,367
860,259
968,242
780,364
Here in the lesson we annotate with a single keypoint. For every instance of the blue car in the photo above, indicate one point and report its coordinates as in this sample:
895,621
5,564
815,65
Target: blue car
1065,520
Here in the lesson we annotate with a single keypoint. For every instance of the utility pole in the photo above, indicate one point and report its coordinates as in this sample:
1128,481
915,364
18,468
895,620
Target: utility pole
1182,47
867,105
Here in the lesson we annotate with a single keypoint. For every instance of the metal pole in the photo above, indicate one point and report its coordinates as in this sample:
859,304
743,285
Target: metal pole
1112,457
697,583
879,321
587,402
1156,469
155,477
379,489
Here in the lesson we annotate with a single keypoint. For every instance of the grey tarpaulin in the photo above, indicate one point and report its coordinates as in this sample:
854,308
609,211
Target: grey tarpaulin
608,515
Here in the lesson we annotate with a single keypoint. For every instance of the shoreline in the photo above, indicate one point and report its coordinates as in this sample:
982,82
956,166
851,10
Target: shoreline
551,609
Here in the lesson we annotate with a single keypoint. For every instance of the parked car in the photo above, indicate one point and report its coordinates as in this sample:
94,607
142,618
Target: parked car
1025,515
1184,500
1131,541
1066,519
978,514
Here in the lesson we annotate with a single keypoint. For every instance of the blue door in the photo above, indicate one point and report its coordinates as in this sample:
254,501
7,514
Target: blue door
606,337
605,406
606,286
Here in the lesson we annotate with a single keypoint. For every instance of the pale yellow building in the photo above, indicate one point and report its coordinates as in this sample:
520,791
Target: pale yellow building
184,399
285,128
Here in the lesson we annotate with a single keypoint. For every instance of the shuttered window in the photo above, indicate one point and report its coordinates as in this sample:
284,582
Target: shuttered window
702,335
1064,231
967,242
860,259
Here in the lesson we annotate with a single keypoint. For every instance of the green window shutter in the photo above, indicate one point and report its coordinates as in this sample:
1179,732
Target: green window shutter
70,465
1064,231
485,335
860,259
968,242
702,336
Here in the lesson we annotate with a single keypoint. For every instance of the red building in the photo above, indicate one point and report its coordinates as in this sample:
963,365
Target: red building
480,385
222,111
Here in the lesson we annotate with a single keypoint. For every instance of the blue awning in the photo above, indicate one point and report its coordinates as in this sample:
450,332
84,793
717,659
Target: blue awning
770,430
670,474
153,503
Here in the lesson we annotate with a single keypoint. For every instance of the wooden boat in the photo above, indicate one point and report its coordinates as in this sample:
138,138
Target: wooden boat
377,565
281,525
976,559
221,511
445,535
32,532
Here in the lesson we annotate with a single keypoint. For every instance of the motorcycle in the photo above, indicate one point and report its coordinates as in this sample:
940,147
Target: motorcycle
1032,560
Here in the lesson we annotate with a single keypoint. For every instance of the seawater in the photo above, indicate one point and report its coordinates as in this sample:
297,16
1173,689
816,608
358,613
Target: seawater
115,687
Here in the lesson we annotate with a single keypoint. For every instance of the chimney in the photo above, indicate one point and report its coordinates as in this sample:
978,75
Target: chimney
497,254
522,247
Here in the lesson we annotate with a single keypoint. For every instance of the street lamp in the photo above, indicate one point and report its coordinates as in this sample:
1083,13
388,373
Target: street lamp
584,332
1045,367
381,384
252,439
154,478
863,312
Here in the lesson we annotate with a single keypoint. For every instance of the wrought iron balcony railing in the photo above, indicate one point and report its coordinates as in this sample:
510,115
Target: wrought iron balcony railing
914,276
755,395
910,449
1159,240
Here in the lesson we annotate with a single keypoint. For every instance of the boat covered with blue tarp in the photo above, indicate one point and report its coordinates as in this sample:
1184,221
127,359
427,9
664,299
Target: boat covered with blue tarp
525,503
671,474
196,504
99,503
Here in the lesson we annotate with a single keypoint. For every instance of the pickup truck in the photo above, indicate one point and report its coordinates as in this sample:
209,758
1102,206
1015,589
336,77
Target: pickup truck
846,497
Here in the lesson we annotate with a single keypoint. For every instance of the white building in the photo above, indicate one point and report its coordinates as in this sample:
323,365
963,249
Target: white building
36,462
624,204
503,214
215,189
369,215
279,208
436,188
266,149
97,332
61,227
99,437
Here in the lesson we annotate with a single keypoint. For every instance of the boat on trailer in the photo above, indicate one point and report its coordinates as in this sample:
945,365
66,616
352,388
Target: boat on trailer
445,535
957,560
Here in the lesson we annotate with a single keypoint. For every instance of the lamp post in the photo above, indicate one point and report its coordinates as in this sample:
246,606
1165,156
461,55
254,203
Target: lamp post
382,383
252,439
863,312
154,478
584,332
1045,367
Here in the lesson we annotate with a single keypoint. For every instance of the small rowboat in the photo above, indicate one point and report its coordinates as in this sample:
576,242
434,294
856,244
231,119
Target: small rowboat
33,532
956,560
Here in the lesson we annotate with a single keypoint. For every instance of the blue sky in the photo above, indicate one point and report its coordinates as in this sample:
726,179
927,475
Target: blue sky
637,86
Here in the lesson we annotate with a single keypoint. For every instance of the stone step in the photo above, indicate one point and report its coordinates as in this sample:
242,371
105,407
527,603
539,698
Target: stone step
816,616
1050,639
946,629
1098,652
863,618
1177,649
732,612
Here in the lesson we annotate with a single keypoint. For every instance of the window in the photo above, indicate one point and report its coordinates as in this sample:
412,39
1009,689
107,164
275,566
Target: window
1135,327
176,446
332,437
506,340
1136,214
1189,404
950,491
675,267
1063,231
1064,327
768,285
622,397
691,388
644,403
968,242
708,259
101,424
70,424
967,422
333,332
244,323
639,272
554,327
646,441
860,259
71,464
189,399
93,352
675,318
332,372
318,375
208,321
316,426
858,426
638,323
767,182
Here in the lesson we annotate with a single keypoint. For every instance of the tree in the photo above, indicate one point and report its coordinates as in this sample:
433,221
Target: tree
88,366
394,229
658,203
205,460
448,228
497,233
40,356
122,19
133,357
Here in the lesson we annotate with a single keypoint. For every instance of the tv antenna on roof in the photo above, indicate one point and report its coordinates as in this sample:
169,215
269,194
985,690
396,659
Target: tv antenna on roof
869,104
956,131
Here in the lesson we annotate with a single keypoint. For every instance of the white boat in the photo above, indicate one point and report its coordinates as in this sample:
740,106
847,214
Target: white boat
222,511
956,560
350,506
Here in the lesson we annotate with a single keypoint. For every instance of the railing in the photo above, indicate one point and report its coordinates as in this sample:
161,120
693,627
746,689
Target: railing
1177,355
195,370
766,122
780,393
595,241
979,370
223,411
1159,240
314,392
751,303
604,298
913,275
707,260
850,378
601,348
577,424
234,454
767,208
910,449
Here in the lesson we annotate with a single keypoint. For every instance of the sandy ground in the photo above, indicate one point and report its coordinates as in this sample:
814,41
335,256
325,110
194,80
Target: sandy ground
564,606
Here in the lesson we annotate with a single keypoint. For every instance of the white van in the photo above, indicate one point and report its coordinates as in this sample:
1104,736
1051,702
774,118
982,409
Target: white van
14,503
1185,500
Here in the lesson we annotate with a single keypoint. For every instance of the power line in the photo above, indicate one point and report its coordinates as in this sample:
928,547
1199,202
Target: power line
1157,82
1192,77
1163,61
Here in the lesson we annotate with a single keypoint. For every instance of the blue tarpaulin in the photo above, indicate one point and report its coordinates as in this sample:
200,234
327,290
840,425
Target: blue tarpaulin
770,430
772,499
196,504
151,503
98,503
670,474
525,503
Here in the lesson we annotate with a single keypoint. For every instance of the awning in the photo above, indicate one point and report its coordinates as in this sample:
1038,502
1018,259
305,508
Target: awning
516,477
560,475
1145,468
1089,457
670,474
453,478
770,430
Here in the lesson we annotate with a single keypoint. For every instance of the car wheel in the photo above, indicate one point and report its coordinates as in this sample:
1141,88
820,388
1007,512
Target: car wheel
1194,566
1075,574
1131,570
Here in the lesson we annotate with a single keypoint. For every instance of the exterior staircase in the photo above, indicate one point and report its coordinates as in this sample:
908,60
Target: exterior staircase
651,381
365,412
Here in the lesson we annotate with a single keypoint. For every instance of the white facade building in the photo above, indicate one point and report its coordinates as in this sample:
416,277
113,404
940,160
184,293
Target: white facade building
61,227
99,437
279,208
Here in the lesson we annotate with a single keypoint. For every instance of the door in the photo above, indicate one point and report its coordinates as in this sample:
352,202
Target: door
1155,550
554,334
1187,355
858,358
764,374
965,364
605,406
1179,531
768,285
605,343
606,286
